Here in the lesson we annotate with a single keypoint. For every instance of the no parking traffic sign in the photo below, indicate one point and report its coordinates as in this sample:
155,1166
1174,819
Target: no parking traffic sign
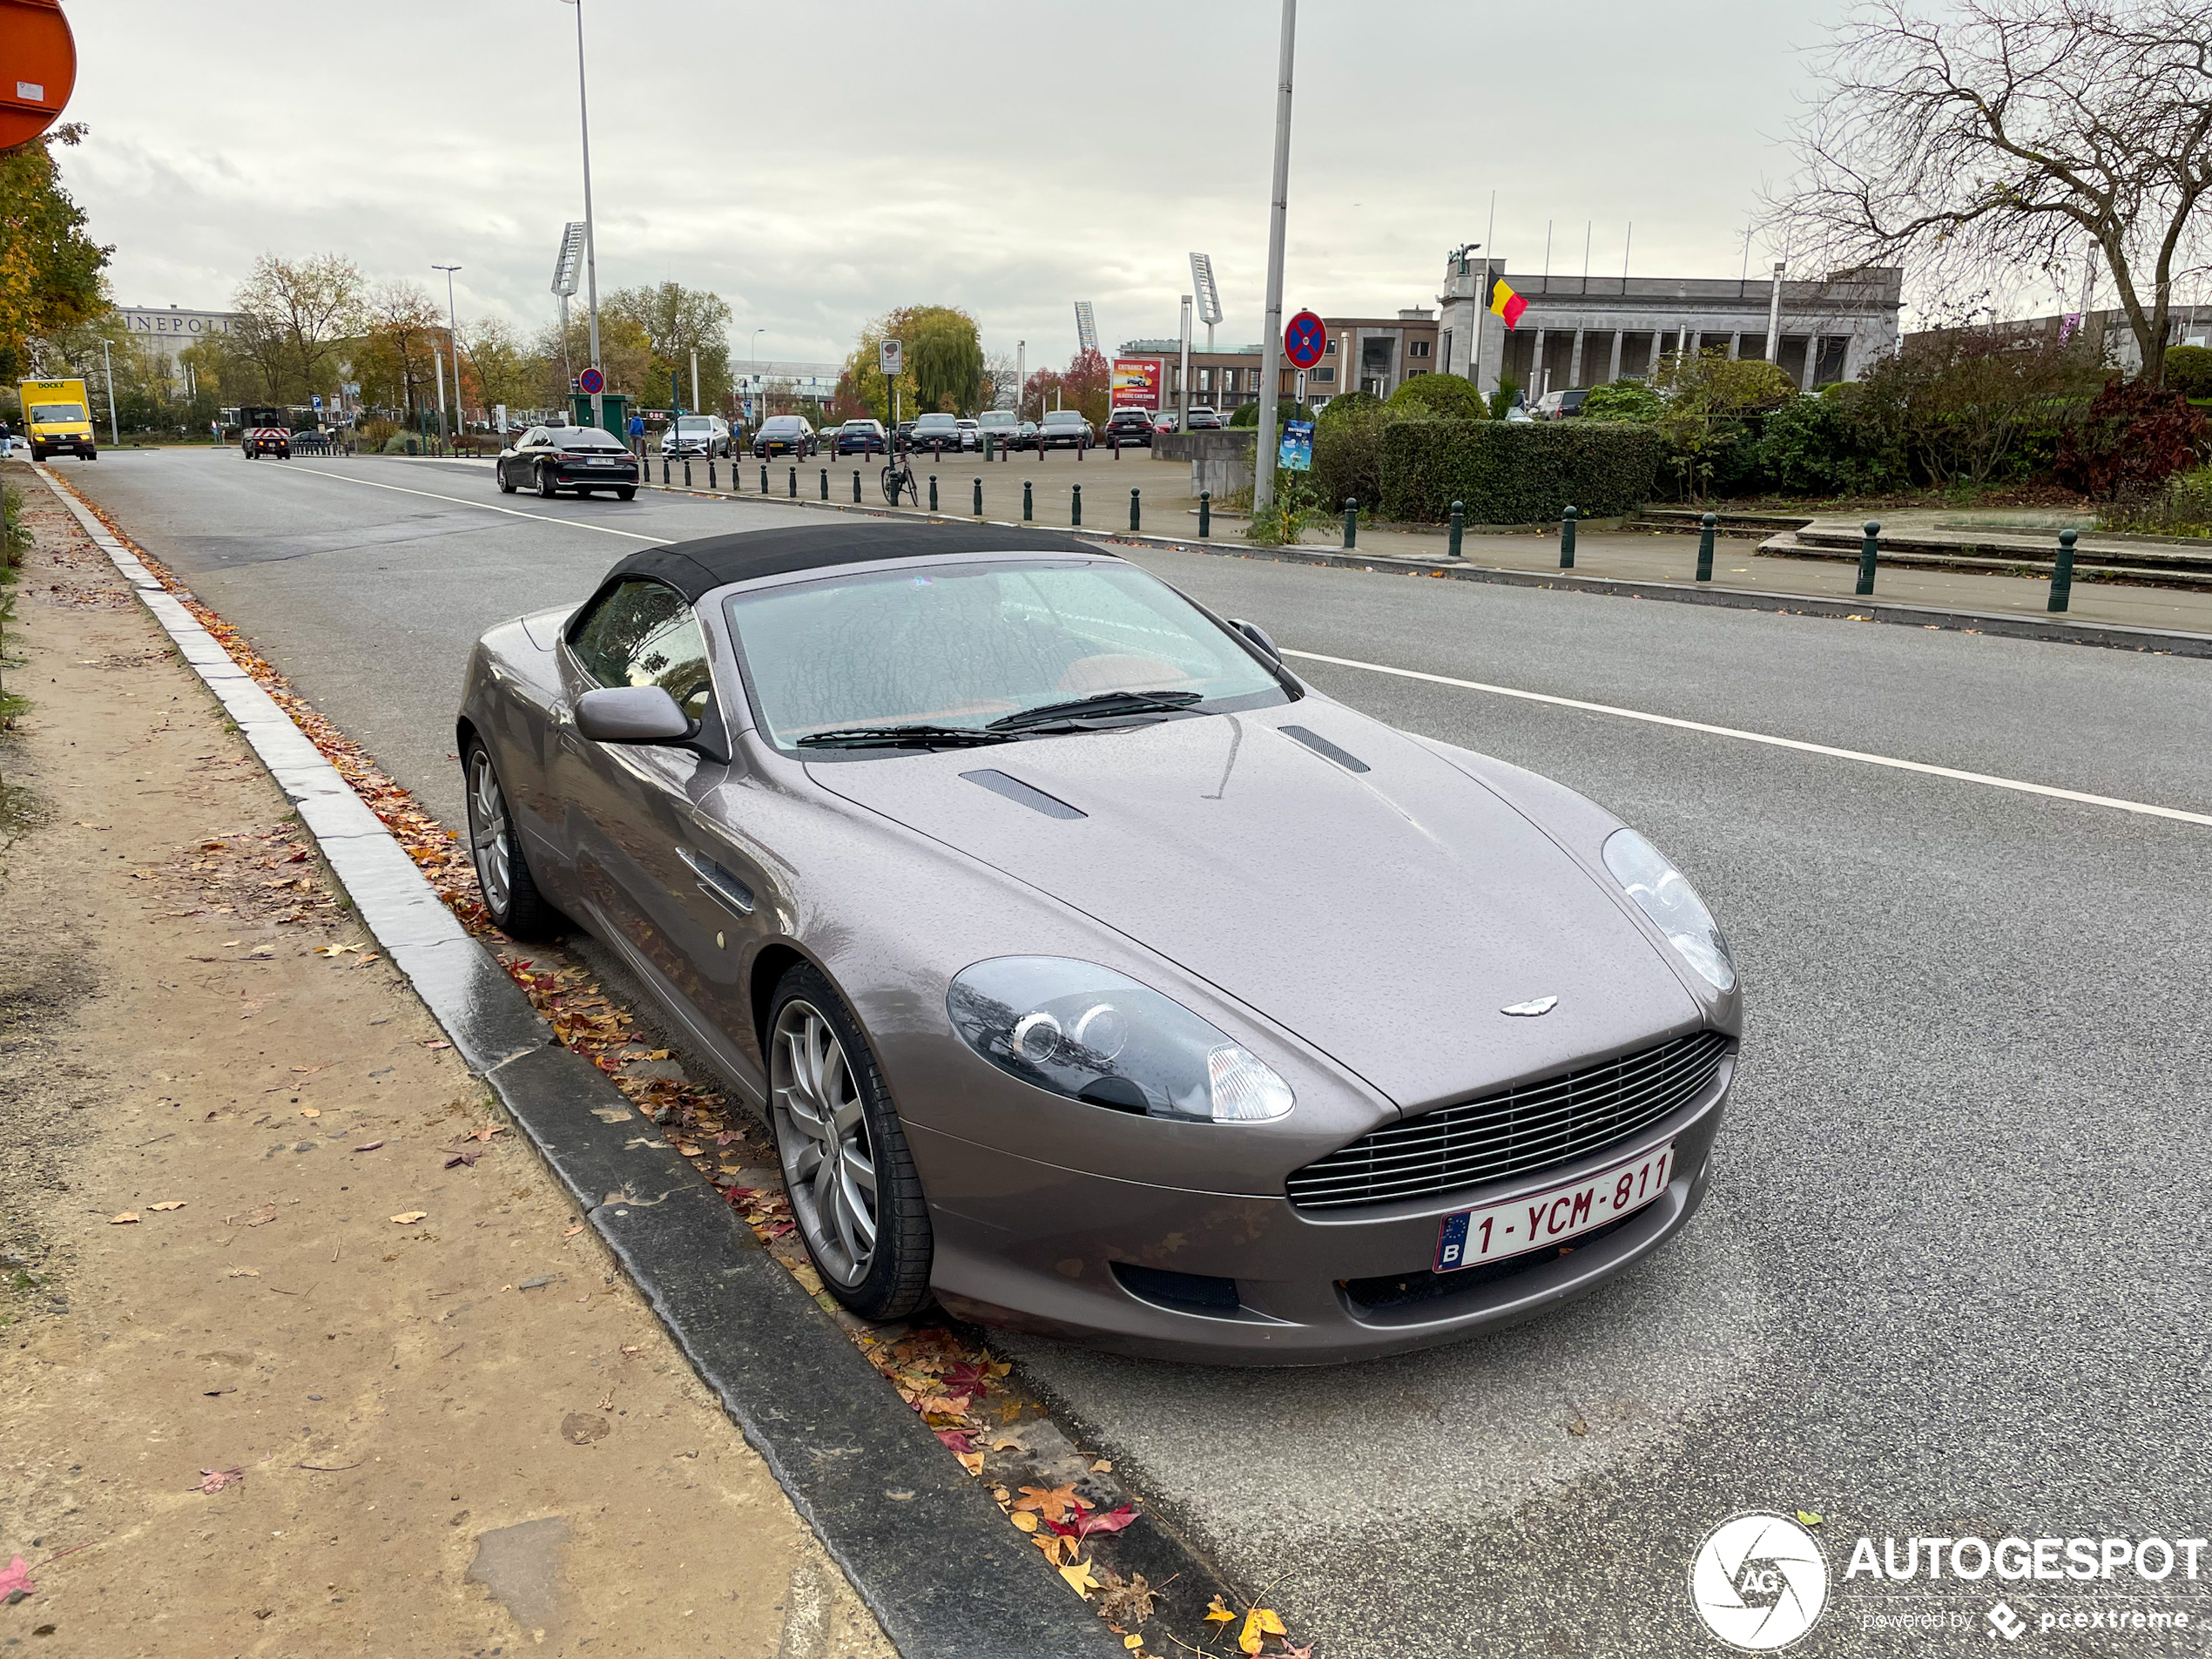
592,380
1304,340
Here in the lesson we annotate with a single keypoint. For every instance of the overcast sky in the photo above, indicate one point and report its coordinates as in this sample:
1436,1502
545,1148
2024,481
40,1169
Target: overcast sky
817,163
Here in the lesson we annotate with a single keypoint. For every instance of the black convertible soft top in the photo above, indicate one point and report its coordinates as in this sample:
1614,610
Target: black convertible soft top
697,568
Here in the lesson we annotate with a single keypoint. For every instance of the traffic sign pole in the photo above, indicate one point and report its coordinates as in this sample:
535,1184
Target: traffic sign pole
1272,378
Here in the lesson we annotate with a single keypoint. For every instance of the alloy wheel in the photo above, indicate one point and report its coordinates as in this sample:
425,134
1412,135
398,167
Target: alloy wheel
822,1137
488,842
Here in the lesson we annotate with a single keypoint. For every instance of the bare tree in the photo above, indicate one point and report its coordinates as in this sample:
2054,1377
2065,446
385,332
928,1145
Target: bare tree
293,314
2000,136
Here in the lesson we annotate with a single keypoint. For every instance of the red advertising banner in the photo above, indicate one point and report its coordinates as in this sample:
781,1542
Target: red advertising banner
1136,382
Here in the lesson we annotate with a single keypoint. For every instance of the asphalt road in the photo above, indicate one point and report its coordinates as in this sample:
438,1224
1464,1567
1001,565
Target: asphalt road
1950,1279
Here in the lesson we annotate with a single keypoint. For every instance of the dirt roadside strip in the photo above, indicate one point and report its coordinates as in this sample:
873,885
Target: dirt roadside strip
300,1354
929,1552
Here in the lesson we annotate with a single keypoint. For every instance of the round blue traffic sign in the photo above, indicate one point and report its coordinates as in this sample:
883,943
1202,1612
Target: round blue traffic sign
592,381
1304,340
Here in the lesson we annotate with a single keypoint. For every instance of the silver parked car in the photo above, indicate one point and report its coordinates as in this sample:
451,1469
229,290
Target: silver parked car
1096,974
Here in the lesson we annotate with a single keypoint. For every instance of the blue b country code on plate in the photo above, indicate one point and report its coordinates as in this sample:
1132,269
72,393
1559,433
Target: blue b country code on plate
1472,1237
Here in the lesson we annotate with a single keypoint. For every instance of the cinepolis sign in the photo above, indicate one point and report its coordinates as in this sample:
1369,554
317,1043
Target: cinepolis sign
183,327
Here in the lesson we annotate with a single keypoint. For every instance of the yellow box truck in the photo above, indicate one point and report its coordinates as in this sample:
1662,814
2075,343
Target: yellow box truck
57,419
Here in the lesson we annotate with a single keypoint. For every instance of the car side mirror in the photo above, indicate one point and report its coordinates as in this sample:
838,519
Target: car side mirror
1258,635
631,714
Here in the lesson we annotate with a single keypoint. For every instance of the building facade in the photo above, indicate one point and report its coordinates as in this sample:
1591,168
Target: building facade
168,329
1376,354
2107,334
1585,331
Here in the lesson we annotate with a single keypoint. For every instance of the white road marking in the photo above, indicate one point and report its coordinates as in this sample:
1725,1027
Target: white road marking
2143,807
488,507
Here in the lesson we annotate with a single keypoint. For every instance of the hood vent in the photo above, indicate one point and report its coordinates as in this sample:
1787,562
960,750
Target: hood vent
1014,789
1322,746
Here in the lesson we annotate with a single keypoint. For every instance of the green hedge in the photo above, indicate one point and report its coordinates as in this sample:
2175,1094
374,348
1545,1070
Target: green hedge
1512,472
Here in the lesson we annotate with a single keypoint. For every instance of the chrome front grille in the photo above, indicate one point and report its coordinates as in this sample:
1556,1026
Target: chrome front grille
1552,1121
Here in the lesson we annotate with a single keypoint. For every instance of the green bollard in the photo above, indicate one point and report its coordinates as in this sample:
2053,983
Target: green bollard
1459,526
1351,522
1569,521
793,485
664,470
933,492
988,439
710,484
1029,503
1076,501
1134,522
687,472
1868,549
856,483
2063,572
1706,527
979,498
825,484
1206,514
764,477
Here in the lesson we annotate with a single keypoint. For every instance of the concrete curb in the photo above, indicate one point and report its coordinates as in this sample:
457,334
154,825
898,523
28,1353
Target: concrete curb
2006,623
919,1539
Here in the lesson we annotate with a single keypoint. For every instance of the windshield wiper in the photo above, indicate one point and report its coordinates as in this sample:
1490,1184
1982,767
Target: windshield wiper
1104,706
903,737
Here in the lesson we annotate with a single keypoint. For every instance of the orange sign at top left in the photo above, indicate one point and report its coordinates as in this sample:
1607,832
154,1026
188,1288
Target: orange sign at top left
37,68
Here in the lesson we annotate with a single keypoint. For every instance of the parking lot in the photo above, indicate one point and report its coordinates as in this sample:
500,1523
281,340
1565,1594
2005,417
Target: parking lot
1948,1280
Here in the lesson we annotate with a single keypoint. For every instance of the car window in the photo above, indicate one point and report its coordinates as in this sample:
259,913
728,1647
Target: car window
586,437
644,633
782,423
965,644
55,414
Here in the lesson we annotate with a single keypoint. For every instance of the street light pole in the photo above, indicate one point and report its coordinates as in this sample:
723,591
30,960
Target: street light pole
453,339
590,242
1271,339
760,392
114,431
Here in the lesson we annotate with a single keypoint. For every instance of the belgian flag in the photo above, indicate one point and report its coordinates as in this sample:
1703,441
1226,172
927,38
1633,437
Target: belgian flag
1503,300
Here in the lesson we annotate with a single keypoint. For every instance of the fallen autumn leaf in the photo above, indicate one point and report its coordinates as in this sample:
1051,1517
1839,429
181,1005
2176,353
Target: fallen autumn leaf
168,1203
409,1218
123,1220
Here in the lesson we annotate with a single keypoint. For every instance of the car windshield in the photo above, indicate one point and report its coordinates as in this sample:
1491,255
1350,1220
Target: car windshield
781,423
586,437
996,417
1062,417
936,419
963,646
54,414
696,423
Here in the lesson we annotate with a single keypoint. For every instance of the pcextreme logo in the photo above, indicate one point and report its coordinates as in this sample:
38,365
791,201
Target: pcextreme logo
1759,1582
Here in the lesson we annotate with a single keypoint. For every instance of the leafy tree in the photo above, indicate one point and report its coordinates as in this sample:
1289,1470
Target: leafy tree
49,270
293,315
1970,406
1622,399
946,352
1086,384
1039,392
497,368
676,321
1501,400
1710,399
395,358
2003,136
1451,396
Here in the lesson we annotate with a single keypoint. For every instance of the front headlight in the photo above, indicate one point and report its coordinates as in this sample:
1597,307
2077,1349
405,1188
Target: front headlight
1663,893
1095,1036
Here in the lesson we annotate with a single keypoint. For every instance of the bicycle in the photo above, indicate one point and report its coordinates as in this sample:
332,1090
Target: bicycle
898,480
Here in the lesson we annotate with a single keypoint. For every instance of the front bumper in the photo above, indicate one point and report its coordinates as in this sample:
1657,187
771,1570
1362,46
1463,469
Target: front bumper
1045,1250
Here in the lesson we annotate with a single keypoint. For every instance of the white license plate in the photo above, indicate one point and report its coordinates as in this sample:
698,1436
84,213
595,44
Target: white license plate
1473,1237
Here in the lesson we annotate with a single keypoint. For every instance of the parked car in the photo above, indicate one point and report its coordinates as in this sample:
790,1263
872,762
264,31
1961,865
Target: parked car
971,433
550,459
696,434
1560,406
1129,426
1166,420
785,434
1205,419
936,433
1065,429
906,434
860,438
1081,1029
1002,428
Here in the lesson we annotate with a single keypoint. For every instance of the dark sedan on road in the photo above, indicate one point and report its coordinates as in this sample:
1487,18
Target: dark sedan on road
552,458
937,433
1095,975
1129,426
785,434
1064,429
861,438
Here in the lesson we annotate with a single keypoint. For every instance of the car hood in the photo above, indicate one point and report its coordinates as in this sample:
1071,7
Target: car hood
1386,916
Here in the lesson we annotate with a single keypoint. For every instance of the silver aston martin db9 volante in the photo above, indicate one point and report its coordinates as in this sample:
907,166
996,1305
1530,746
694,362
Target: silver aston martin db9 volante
1095,975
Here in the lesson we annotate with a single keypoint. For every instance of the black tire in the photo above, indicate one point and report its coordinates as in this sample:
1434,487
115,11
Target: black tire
545,488
506,485
37,454
896,1279
516,906
628,492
